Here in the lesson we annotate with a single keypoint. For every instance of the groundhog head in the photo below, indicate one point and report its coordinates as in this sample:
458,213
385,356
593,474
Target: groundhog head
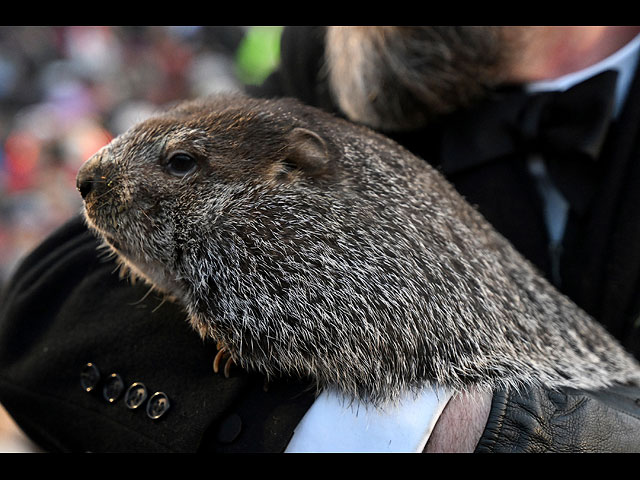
157,193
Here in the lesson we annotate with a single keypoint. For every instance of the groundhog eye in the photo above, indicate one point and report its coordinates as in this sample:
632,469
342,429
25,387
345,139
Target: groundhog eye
181,164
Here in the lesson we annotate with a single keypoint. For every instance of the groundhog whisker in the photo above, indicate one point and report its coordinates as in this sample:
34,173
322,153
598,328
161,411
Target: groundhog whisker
143,297
164,299
104,194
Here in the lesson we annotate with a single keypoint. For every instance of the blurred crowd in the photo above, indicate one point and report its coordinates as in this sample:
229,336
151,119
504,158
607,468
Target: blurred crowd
66,91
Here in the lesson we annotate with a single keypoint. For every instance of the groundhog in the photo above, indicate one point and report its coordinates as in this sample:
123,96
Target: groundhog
310,246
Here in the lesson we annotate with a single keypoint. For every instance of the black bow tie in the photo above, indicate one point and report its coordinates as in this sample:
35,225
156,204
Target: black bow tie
567,129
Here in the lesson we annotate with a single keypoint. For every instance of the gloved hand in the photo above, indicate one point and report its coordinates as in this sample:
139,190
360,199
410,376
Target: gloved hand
568,420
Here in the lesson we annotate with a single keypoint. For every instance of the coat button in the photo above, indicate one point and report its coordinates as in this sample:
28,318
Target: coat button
230,428
113,388
158,405
135,395
89,377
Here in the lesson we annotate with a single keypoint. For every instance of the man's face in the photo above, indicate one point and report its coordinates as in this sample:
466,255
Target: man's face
401,77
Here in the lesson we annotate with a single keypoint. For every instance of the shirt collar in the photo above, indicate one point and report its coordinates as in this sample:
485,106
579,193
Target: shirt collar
624,61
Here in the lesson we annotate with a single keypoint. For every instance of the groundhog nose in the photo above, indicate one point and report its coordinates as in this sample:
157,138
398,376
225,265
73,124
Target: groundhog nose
89,175
85,180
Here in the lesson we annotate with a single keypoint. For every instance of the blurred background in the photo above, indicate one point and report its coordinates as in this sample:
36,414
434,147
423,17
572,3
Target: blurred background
66,91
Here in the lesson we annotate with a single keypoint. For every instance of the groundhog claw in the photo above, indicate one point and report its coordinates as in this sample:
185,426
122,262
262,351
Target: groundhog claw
222,354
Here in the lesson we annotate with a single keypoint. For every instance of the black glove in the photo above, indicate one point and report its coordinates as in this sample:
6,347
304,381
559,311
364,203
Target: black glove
568,420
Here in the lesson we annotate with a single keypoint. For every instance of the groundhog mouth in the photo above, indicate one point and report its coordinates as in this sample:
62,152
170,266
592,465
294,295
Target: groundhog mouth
108,239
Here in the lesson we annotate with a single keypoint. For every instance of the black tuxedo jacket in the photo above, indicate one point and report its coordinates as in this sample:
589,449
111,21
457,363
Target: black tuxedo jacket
599,256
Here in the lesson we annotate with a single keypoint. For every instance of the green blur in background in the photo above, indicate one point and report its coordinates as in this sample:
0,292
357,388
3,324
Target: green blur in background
258,54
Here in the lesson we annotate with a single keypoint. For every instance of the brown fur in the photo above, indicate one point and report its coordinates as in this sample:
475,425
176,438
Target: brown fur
311,246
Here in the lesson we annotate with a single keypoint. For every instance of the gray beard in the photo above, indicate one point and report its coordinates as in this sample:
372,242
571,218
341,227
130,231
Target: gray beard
399,78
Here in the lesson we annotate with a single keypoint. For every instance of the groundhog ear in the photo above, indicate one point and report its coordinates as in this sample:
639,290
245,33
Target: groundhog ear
306,152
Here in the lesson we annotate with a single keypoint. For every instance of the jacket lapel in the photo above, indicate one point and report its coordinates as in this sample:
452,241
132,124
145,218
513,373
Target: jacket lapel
601,263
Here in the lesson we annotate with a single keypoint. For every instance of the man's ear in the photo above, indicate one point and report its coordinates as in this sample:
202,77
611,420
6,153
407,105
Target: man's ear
306,152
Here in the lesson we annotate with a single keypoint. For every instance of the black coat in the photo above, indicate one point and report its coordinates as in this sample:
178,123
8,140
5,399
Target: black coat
599,259
66,308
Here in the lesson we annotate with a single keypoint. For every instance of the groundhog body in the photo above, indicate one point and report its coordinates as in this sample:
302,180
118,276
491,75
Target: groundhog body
311,246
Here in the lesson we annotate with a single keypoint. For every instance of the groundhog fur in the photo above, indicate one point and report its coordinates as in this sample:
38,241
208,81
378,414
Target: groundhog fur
313,247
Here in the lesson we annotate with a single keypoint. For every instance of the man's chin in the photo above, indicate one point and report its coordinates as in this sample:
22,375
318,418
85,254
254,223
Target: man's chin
412,75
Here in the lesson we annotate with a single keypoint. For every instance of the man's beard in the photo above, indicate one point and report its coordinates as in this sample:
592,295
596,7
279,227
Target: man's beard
399,78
